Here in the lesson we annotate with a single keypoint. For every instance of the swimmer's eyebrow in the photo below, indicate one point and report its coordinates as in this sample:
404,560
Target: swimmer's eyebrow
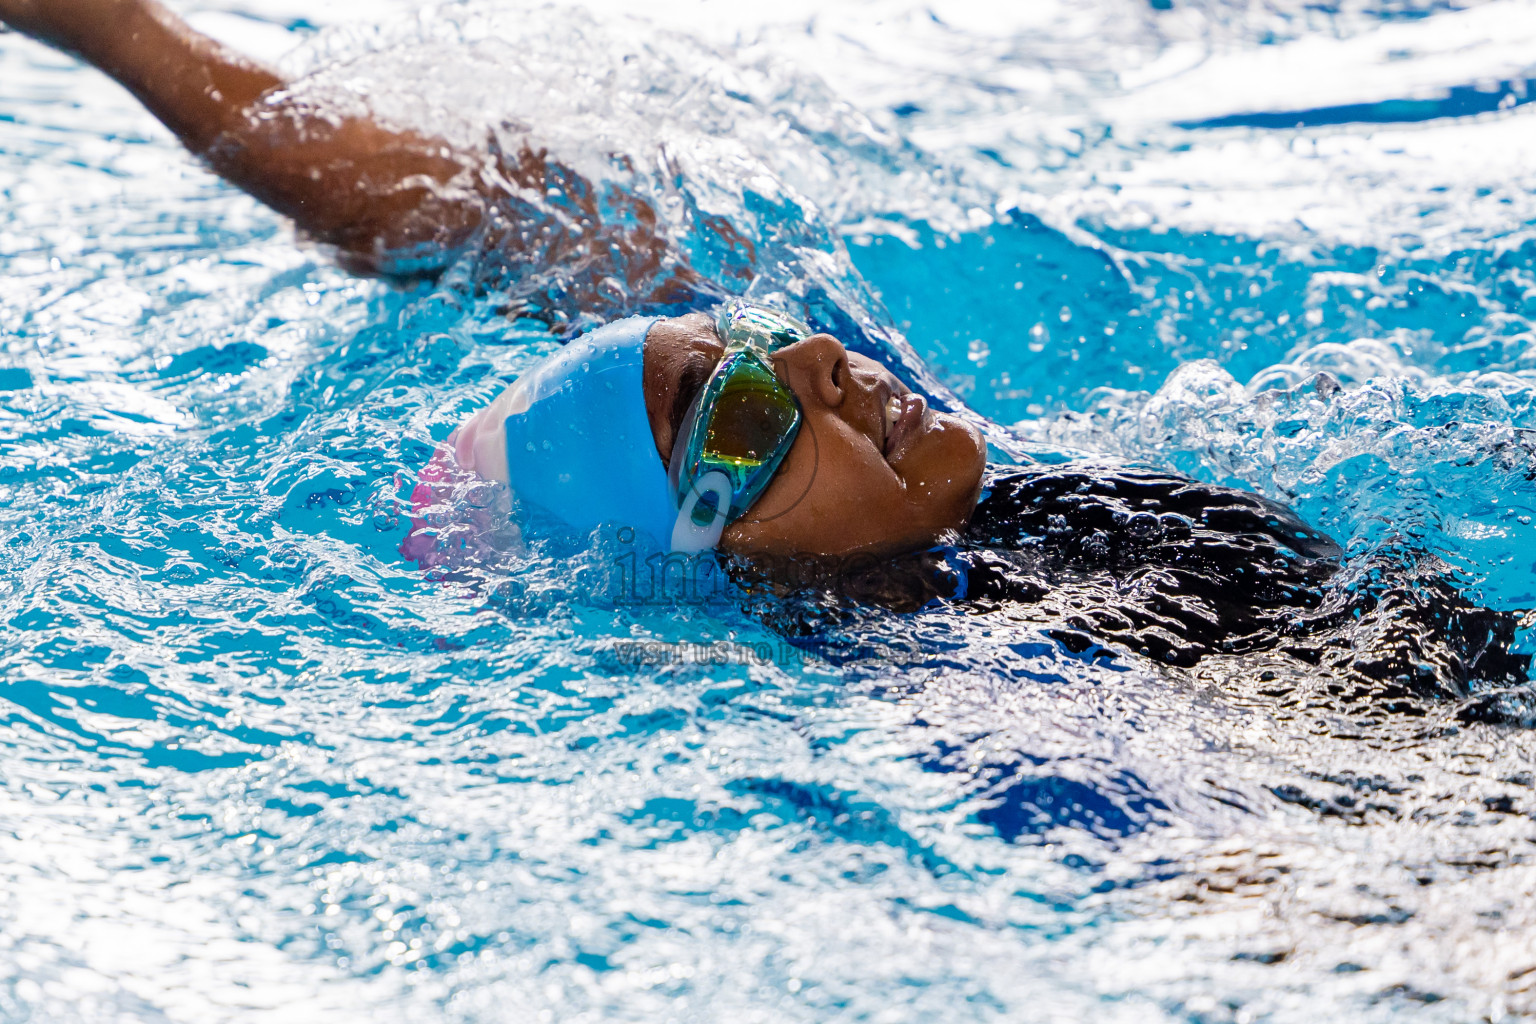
696,370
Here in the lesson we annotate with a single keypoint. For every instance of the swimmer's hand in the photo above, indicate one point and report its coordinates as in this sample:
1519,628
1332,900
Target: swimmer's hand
392,201
369,190
197,87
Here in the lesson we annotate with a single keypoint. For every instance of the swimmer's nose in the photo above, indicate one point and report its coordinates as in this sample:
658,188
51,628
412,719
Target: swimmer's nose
816,369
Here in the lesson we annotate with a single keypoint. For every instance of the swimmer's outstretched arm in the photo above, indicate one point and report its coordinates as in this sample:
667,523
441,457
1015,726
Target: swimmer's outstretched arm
377,194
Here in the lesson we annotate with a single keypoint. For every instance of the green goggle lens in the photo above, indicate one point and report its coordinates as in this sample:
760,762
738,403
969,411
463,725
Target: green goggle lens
752,414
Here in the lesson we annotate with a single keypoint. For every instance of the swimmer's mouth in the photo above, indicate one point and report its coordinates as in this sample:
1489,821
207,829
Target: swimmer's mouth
903,416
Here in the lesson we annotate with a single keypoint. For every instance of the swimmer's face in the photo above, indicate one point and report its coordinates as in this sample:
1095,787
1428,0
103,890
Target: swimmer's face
873,469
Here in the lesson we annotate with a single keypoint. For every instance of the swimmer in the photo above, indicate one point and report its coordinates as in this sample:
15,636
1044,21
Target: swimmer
870,466
744,431
738,429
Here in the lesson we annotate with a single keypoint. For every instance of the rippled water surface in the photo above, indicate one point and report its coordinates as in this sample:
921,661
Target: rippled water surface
257,766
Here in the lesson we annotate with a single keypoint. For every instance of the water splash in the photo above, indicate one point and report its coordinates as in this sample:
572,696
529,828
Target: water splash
254,760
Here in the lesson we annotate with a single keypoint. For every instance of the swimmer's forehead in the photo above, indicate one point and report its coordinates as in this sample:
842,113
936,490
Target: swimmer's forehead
676,346
676,340
678,351
691,332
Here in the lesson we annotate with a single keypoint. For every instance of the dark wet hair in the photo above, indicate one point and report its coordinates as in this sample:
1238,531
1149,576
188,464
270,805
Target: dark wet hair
695,374
1120,562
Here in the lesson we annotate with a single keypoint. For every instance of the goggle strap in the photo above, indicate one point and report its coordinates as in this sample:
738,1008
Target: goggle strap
688,537
677,465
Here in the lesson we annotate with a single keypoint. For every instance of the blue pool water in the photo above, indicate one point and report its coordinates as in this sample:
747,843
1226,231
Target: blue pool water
256,766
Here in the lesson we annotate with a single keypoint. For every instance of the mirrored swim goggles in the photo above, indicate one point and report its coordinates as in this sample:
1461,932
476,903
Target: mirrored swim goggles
738,430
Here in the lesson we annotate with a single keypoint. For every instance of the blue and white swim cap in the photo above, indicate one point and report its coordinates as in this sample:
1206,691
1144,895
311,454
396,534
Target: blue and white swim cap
579,442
